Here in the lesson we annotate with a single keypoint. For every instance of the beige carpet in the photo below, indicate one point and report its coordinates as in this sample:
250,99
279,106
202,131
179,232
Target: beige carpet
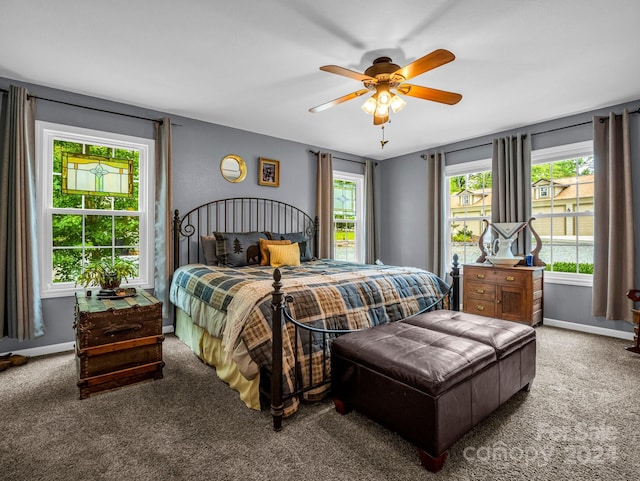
580,422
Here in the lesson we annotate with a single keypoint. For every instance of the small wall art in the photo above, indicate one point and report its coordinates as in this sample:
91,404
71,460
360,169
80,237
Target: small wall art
269,172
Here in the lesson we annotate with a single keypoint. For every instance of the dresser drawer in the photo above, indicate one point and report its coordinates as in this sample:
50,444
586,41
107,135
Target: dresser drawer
480,306
481,274
511,277
479,290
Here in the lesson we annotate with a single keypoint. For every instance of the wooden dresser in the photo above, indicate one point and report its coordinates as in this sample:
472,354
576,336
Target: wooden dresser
510,293
118,341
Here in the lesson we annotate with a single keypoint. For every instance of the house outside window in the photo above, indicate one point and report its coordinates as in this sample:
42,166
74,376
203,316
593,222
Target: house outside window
89,206
348,216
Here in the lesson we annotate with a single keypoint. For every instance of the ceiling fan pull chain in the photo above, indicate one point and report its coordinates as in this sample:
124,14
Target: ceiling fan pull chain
383,142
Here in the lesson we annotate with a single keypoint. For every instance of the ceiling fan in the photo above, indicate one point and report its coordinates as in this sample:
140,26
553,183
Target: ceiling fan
387,79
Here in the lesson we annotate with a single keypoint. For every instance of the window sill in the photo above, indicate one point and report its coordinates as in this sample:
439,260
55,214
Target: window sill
582,280
71,290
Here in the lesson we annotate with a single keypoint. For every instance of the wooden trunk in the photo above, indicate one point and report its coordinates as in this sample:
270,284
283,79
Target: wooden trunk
118,341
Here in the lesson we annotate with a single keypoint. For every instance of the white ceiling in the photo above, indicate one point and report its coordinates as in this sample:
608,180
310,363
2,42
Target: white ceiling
253,64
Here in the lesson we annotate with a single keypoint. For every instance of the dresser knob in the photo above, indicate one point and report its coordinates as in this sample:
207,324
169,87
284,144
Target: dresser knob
480,291
480,308
480,276
509,278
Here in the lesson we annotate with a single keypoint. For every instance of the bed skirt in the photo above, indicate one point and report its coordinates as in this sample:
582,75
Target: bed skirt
209,349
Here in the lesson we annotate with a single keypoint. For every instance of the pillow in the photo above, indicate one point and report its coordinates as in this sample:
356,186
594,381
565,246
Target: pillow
208,243
237,249
284,255
264,252
301,239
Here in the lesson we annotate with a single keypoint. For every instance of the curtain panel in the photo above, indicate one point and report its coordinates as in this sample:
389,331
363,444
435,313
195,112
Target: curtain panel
436,216
324,204
163,263
511,185
20,302
614,237
372,247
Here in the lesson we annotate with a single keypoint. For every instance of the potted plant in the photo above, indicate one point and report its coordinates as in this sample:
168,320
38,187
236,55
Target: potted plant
107,273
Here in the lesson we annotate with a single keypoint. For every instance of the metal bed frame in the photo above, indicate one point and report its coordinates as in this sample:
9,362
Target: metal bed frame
250,214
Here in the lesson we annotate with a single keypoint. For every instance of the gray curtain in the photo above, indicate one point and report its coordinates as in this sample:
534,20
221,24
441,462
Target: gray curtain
372,248
614,239
19,283
436,217
163,264
511,185
324,204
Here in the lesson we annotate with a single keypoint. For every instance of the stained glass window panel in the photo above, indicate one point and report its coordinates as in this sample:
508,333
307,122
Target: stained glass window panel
95,175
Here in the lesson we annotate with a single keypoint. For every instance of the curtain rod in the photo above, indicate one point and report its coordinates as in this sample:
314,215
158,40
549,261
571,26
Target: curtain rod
93,108
601,120
316,152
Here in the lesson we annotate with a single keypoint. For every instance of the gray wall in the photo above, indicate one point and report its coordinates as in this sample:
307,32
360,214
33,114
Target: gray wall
403,198
197,150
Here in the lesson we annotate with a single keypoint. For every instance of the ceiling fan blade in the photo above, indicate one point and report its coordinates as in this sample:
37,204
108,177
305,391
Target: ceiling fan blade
379,120
345,72
344,98
427,93
424,64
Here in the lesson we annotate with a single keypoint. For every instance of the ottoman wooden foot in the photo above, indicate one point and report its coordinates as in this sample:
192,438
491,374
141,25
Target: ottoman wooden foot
430,463
341,406
527,387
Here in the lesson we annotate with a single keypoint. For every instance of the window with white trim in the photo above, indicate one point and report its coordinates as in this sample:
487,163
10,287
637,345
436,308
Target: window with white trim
75,228
562,203
348,216
565,216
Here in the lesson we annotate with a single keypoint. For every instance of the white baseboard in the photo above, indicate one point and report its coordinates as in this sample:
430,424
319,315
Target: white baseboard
64,347
602,331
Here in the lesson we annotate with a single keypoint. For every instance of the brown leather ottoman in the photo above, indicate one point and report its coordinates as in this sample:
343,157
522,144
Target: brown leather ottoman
428,385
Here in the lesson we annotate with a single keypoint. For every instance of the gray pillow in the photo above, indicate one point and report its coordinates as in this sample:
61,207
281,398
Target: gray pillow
208,243
301,239
237,249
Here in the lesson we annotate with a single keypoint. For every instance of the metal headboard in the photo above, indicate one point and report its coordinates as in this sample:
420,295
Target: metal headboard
238,214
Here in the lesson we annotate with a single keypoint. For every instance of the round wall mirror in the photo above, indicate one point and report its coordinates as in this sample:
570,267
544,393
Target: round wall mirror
233,168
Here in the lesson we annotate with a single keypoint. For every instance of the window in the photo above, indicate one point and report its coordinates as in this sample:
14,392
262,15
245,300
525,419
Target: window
564,216
348,217
89,206
562,203
543,191
469,202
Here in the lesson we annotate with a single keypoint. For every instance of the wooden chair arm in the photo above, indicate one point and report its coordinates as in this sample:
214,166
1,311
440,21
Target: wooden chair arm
634,295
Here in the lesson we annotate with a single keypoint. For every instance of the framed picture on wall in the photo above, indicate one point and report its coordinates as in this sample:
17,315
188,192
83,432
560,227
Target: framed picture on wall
269,172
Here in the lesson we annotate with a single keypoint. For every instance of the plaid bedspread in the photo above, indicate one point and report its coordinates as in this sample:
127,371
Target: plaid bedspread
327,294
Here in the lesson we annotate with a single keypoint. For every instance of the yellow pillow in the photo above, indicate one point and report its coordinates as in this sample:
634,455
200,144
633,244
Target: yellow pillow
264,252
284,255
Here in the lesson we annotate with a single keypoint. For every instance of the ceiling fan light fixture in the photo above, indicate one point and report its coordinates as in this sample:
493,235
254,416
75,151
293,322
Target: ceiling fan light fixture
384,97
382,110
369,106
397,103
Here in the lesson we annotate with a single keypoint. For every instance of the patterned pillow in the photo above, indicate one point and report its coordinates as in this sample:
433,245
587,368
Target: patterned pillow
208,243
237,249
284,255
300,239
264,252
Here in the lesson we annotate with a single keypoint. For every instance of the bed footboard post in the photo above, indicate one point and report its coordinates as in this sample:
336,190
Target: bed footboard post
176,253
277,302
455,290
